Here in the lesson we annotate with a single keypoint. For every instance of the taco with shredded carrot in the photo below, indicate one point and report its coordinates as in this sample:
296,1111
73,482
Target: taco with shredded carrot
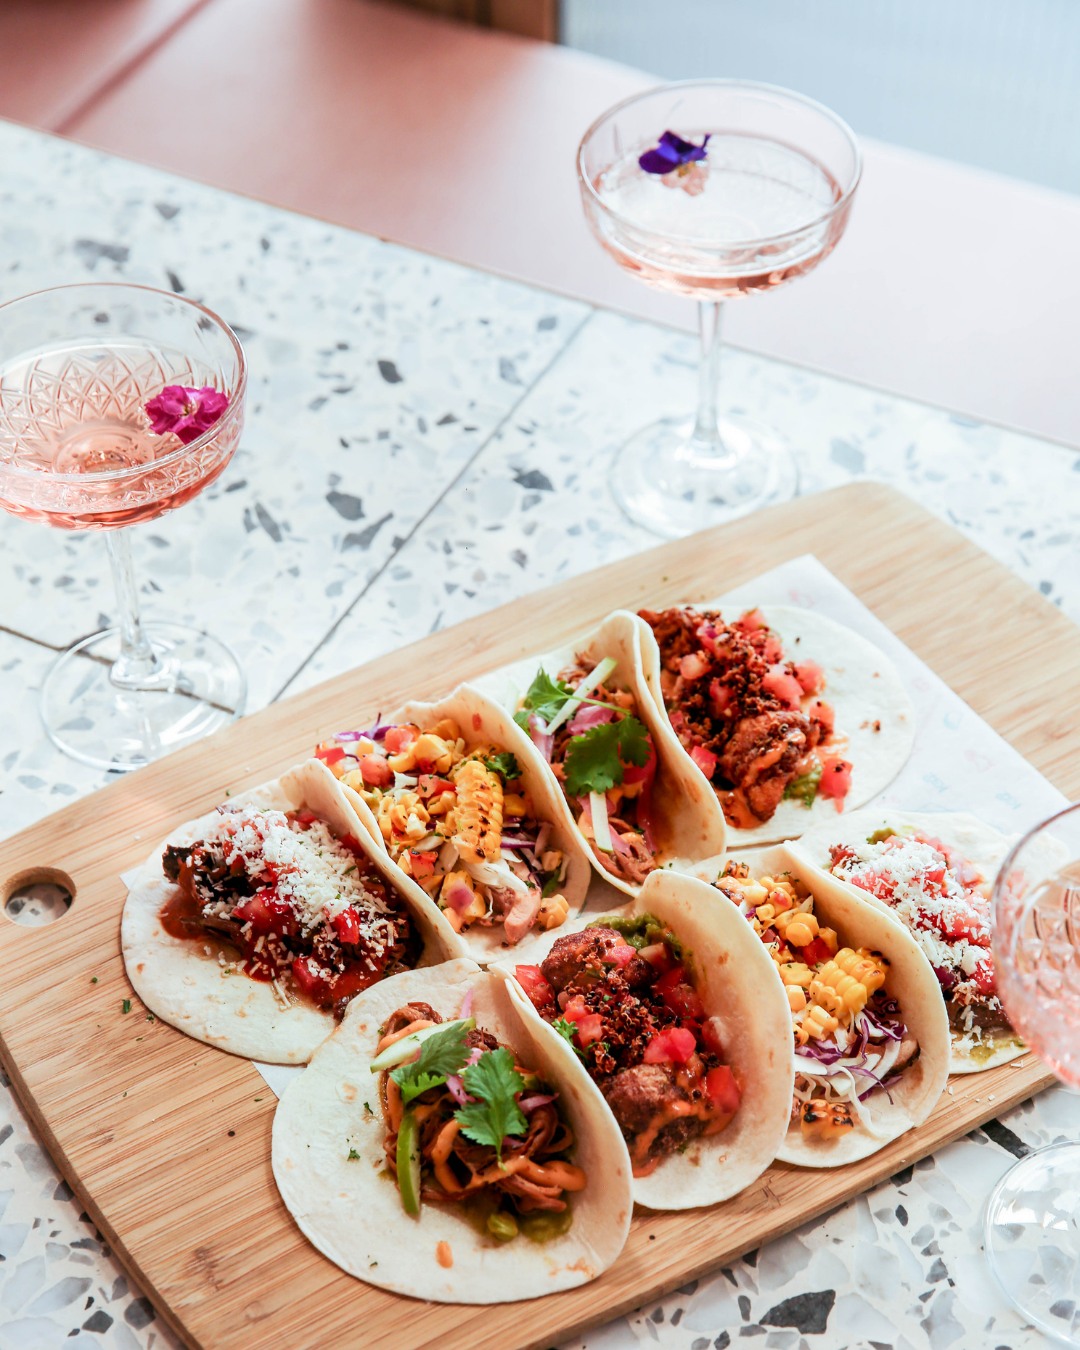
438,1145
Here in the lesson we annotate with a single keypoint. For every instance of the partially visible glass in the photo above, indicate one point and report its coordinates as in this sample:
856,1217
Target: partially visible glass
1032,1228
78,364
770,200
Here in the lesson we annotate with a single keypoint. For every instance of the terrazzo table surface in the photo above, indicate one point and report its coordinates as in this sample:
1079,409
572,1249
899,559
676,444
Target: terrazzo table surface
425,442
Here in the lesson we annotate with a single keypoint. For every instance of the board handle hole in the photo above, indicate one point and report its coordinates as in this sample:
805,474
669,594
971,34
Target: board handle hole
37,896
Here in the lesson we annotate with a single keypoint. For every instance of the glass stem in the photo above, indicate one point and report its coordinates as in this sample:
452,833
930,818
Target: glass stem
136,666
706,427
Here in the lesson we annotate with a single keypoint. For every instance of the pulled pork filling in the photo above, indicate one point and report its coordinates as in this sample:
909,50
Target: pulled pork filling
621,994
303,909
521,1182
750,719
942,899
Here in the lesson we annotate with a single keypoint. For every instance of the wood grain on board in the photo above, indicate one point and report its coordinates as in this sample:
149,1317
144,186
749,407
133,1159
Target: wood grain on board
167,1142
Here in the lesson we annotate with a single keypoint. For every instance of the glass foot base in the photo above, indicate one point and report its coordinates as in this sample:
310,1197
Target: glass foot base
672,484
1032,1237
200,687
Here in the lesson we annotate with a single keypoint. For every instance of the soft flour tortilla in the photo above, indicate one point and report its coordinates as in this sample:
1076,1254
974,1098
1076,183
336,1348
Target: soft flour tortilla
864,689
483,722
742,991
351,1210
689,829
184,984
910,981
980,845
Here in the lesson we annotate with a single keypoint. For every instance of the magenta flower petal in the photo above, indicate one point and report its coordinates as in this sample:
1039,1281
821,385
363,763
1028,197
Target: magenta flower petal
186,413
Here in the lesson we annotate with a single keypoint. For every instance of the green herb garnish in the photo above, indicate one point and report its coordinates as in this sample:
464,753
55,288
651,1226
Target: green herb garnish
595,759
494,1080
440,1055
505,765
353,1156
125,1007
545,697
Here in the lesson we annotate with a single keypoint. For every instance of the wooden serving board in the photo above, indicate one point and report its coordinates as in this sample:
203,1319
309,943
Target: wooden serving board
167,1142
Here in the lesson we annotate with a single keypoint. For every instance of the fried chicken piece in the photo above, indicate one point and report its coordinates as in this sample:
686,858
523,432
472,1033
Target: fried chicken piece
763,756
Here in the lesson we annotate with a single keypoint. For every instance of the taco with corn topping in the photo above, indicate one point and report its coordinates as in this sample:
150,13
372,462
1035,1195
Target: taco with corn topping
458,797
871,1036
253,927
791,716
933,874
440,1146
637,802
679,1017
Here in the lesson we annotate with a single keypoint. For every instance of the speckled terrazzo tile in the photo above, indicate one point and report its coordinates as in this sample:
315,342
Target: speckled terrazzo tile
35,778
534,508
376,374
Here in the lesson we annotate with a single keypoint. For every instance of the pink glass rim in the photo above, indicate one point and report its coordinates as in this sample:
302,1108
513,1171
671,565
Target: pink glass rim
236,396
752,87
1073,809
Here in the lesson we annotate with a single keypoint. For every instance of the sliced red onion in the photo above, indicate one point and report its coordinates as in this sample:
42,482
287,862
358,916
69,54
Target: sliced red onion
588,716
466,1005
540,736
456,1088
374,733
529,1104
474,1054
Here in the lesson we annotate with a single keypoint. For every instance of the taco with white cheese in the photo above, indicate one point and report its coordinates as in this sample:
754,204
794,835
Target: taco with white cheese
932,873
252,927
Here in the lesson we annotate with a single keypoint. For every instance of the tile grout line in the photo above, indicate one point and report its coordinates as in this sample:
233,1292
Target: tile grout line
422,519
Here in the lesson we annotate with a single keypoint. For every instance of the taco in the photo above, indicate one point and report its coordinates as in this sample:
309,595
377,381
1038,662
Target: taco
438,1145
636,800
458,797
252,927
871,1035
790,716
933,874
677,1013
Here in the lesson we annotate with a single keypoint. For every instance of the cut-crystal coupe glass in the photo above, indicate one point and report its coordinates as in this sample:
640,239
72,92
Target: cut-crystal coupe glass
78,366
712,189
1032,1229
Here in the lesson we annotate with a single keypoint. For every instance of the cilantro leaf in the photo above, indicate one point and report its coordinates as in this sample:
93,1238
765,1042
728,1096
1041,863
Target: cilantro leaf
505,765
566,1030
546,696
594,760
493,1080
440,1055
521,717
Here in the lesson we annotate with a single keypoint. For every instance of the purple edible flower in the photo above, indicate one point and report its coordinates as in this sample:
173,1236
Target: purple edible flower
672,153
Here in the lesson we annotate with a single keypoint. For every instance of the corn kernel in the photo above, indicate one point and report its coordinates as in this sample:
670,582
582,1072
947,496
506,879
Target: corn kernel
796,998
553,911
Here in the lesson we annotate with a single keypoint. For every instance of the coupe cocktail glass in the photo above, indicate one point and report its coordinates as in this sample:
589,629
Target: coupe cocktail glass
771,199
77,366
1032,1229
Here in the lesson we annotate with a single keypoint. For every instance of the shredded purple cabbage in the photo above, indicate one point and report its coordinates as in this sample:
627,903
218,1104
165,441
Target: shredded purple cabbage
375,733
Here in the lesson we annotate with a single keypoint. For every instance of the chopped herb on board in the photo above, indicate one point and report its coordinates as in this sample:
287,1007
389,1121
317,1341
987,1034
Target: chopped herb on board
150,1017
125,1007
93,979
